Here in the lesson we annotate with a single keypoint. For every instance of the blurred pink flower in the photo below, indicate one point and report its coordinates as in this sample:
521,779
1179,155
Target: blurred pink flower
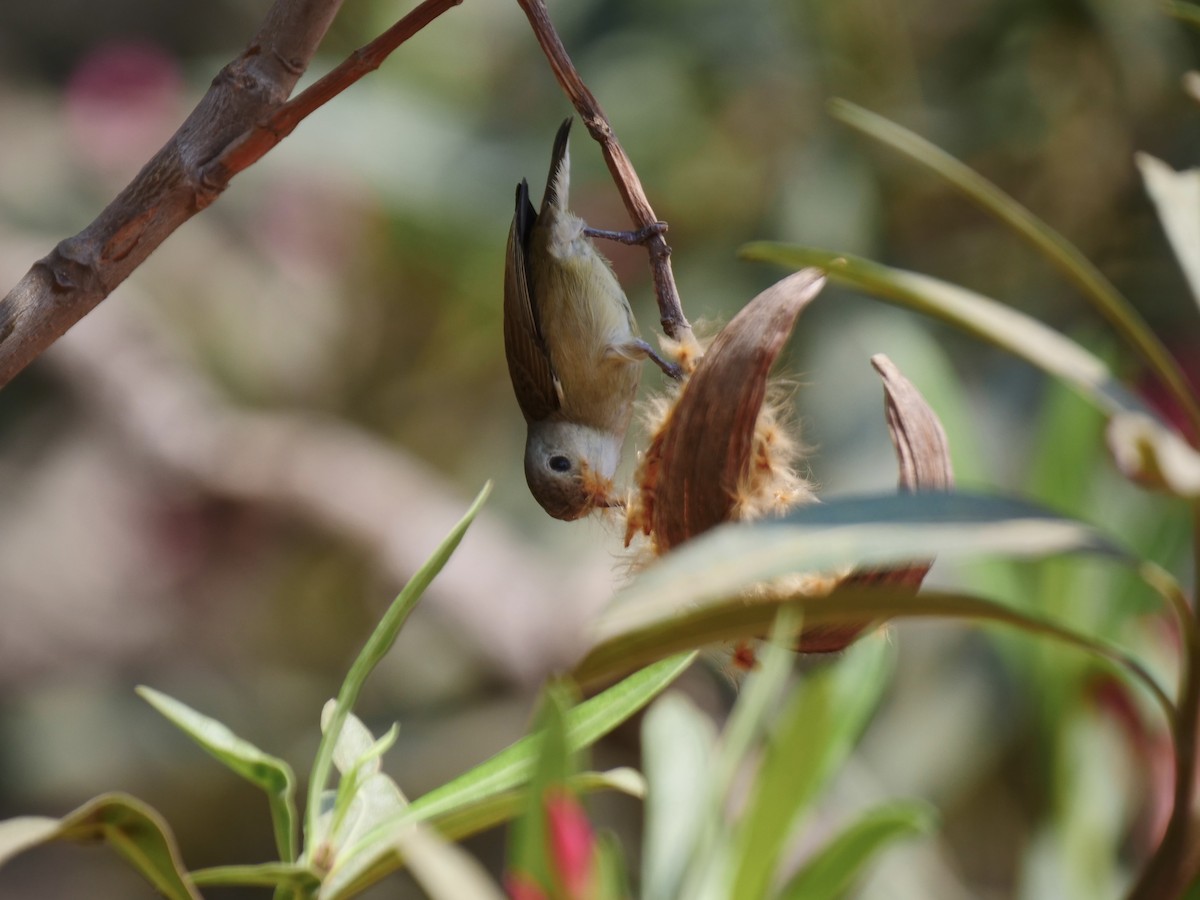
572,843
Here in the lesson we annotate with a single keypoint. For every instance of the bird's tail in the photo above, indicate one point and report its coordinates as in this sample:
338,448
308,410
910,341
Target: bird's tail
559,180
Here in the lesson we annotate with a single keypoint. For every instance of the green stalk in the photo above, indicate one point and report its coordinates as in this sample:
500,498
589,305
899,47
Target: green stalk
1163,872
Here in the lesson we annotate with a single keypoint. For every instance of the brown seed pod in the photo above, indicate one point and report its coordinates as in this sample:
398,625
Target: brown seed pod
923,456
720,454
704,452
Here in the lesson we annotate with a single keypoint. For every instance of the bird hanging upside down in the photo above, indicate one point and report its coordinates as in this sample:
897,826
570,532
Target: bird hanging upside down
573,349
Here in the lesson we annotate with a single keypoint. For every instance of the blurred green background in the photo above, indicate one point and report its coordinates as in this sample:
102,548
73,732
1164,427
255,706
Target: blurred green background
351,281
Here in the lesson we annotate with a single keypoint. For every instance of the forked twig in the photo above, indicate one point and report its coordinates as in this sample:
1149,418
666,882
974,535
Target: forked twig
241,117
674,323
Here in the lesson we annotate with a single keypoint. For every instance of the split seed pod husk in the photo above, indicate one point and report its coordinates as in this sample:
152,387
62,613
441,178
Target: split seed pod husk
700,460
713,460
923,455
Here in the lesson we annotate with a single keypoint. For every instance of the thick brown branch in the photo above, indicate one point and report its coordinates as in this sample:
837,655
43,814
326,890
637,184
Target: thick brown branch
628,184
241,117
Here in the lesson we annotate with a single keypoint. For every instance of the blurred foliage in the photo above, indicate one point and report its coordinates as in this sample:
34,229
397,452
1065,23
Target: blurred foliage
357,270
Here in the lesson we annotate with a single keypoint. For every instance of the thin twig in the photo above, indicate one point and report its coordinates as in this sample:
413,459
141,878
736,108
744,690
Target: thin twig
241,117
253,145
674,323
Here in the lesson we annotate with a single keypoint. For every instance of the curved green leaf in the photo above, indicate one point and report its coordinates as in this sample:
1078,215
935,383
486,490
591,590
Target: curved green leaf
271,774
1176,196
510,768
678,746
1138,451
736,619
711,869
286,875
1101,292
377,646
815,733
1019,334
444,870
528,847
1183,11
502,807
829,537
130,827
831,872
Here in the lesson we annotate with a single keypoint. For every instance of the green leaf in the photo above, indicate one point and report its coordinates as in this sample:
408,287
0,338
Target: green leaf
813,736
1176,195
1019,334
831,872
502,807
372,857
444,870
677,752
1184,12
1124,318
612,879
529,851
272,775
828,537
737,619
1145,449
286,875
377,646
1153,456
711,870
129,826
365,795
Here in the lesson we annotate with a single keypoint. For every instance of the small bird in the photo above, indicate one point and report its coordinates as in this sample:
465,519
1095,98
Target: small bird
573,350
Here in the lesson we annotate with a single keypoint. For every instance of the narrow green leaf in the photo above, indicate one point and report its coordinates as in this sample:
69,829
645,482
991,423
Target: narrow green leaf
814,735
1191,84
365,795
1019,334
529,849
271,774
832,871
136,831
586,724
25,832
677,751
502,807
509,768
377,646
612,879
1101,292
444,870
370,867
829,537
1152,456
735,619
286,875
1176,195
710,872
1184,12
1147,450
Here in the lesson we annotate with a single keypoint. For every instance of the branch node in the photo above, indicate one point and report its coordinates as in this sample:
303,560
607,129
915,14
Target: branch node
291,64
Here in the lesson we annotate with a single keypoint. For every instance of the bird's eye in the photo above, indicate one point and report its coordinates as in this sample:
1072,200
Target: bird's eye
559,464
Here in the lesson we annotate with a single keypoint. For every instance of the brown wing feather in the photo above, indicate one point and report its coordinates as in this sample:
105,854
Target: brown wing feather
533,378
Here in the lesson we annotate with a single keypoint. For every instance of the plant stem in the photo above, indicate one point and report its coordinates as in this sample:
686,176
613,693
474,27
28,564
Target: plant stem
1163,874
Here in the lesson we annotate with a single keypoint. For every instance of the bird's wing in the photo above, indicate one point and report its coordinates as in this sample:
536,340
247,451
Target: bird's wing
538,391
